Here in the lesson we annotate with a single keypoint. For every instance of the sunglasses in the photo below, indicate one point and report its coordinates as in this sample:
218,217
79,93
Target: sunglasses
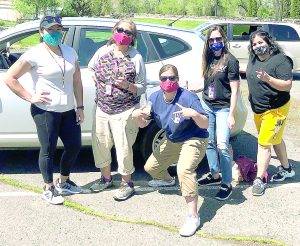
171,78
52,19
217,39
122,30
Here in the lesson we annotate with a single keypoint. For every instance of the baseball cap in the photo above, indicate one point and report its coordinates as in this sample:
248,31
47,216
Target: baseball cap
49,21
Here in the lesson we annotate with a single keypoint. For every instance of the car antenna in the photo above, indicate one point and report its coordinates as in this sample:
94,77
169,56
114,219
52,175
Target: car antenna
171,23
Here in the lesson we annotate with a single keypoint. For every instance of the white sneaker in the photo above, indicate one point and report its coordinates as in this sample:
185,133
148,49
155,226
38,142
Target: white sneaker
161,182
67,187
190,226
52,196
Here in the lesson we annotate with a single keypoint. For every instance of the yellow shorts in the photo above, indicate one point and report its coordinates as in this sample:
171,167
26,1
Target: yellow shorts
270,125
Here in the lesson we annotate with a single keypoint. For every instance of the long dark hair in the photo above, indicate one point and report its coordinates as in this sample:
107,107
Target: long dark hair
133,27
274,47
208,54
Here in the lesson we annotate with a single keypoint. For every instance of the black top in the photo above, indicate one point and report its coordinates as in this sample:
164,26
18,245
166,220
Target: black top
221,87
262,96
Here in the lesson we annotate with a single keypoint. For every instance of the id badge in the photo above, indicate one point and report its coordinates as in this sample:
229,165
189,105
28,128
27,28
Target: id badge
63,99
108,89
211,91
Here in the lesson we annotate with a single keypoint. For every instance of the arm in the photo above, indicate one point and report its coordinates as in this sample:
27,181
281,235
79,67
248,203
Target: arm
78,92
138,117
278,84
18,69
234,85
200,119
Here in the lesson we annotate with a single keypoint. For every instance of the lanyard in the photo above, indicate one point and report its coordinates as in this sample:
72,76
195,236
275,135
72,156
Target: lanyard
63,70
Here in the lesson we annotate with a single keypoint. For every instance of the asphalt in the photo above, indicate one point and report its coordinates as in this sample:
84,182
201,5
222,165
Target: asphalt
153,216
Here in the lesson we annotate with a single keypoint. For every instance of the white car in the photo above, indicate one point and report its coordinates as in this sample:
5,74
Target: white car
287,35
158,45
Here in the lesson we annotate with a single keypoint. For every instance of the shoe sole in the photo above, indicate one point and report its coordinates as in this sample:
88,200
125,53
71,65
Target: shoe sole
52,203
280,180
211,184
120,199
189,234
168,185
106,188
223,199
258,194
62,191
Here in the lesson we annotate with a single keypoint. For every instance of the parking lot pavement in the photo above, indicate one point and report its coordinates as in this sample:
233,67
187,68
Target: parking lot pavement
149,217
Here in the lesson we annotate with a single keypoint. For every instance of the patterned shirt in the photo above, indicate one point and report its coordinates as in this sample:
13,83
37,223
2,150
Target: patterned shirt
107,69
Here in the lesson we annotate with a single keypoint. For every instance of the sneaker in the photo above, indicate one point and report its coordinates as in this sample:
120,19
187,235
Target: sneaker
52,196
124,192
282,174
209,180
161,182
67,187
190,226
101,185
258,188
224,192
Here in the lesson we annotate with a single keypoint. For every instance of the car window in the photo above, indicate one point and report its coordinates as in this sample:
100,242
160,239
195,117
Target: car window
224,27
241,32
167,46
283,33
90,41
143,49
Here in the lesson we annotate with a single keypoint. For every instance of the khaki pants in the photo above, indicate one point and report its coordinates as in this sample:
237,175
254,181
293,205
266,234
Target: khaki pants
119,130
188,153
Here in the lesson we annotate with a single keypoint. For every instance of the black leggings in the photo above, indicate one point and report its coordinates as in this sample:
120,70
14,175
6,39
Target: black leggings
50,126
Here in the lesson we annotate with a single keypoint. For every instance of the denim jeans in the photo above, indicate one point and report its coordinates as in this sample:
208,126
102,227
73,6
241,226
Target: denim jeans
50,126
218,152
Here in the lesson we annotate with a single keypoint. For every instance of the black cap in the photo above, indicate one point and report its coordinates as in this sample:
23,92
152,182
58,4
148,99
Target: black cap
49,21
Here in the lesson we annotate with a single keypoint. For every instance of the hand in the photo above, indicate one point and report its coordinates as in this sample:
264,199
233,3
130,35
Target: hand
263,75
230,121
79,116
186,112
140,113
122,82
40,97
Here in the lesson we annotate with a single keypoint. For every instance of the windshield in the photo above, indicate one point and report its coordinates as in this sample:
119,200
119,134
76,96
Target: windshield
202,26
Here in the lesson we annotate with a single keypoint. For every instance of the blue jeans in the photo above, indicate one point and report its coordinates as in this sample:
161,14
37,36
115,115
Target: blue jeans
50,126
218,153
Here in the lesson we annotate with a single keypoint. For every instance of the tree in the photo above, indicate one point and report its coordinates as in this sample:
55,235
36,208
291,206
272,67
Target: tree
295,9
34,7
77,8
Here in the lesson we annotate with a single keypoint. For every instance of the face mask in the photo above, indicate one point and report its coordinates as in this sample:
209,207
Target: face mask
216,46
169,86
54,38
122,38
261,50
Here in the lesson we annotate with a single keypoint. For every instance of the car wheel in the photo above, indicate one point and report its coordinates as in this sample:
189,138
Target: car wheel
151,139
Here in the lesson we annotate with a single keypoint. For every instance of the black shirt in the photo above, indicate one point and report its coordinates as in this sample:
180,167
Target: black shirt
220,81
263,96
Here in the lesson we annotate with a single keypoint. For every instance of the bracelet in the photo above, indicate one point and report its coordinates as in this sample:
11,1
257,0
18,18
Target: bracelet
80,107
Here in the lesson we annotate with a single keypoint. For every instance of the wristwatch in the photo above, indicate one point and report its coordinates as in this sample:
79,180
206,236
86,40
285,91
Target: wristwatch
80,107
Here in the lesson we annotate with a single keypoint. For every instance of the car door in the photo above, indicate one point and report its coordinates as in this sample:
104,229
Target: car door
238,37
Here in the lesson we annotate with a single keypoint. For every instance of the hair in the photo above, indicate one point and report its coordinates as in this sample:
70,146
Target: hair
208,54
274,47
133,27
168,67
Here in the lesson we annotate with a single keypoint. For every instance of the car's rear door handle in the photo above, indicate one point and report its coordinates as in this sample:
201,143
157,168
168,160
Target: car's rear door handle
236,46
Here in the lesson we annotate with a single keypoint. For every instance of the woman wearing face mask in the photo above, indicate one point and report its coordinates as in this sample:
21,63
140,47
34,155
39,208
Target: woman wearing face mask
269,76
56,77
120,77
221,83
180,114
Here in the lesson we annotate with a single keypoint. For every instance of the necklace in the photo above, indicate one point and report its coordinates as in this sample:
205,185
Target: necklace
167,101
63,70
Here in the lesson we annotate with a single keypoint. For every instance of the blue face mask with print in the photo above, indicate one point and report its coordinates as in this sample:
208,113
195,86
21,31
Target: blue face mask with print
54,38
216,46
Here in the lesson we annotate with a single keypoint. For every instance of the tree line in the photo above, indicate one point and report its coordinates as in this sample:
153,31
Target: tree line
271,9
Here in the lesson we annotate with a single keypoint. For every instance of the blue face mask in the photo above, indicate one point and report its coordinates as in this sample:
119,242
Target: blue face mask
54,38
216,46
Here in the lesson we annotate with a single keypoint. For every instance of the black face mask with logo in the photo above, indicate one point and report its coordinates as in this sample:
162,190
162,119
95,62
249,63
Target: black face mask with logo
261,50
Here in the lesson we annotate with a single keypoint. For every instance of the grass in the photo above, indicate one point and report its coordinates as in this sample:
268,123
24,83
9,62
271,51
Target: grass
86,210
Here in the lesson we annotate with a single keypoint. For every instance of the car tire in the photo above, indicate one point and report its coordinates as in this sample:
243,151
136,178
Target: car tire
150,139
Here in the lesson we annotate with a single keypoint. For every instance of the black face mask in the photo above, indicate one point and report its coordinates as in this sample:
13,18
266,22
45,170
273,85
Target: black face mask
261,50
